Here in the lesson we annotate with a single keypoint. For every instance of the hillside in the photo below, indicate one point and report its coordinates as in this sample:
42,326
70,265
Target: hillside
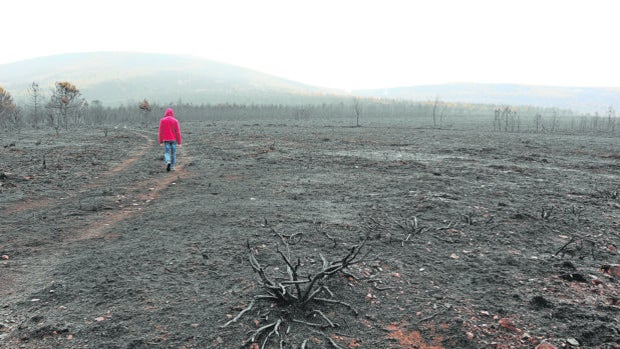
119,78
581,99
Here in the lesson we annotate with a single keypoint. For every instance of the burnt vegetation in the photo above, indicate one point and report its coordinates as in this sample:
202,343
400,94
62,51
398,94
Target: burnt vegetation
297,297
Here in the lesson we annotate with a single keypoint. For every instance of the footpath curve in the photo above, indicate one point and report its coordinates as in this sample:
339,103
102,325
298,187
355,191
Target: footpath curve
33,254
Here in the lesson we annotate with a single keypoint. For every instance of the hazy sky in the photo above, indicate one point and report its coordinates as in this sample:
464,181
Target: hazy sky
341,43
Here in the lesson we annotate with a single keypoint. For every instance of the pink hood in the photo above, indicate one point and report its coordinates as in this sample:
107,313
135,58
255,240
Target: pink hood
169,112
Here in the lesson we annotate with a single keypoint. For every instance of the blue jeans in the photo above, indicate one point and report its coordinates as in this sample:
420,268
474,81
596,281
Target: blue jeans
170,153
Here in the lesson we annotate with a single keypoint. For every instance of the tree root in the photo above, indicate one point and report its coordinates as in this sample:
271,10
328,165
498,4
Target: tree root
260,331
236,318
331,324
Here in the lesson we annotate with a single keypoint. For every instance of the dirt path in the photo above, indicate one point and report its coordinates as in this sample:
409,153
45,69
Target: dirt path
146,190
43,202
41,257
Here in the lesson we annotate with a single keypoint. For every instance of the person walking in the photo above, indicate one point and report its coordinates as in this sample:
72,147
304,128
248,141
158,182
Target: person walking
170,137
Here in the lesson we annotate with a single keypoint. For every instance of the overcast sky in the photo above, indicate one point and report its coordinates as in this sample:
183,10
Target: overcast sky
341,44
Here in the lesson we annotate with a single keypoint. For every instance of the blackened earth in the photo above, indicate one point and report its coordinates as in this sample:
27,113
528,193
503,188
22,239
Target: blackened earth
474,239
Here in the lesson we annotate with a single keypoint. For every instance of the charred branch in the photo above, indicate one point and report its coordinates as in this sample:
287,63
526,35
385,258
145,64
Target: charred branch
302,291
297,292
578,246
545,212
262,331
321,229
405,227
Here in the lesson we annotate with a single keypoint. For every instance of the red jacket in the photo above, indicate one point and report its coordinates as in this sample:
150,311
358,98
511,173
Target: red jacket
169,129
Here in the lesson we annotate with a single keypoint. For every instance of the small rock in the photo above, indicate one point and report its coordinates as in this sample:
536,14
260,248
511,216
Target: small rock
611,269
573,342
540,302
545,345
507,323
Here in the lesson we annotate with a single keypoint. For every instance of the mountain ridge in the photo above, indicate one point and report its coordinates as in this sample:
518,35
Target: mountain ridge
125,77
116,78
580,99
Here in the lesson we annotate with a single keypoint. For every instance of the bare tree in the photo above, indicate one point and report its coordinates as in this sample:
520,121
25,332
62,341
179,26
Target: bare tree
554,121
507,117
65,102
438,111
357,109
517,120
497,123
538,122
35,96
611,119
435,106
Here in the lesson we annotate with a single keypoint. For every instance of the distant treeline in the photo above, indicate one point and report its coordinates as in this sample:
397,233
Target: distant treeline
66,109
348,112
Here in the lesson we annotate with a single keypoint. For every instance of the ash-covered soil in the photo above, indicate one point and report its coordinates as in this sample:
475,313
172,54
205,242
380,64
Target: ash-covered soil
473,239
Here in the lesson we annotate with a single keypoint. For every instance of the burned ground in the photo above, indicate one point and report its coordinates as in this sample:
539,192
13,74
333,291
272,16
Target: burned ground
473,239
